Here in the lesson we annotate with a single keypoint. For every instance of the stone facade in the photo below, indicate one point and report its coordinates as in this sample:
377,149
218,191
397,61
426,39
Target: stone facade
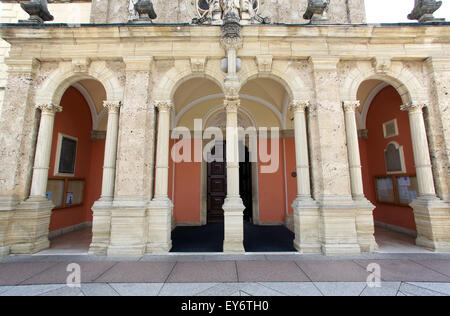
142,66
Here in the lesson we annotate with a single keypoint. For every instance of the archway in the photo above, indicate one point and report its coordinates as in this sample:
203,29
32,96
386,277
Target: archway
388,167
76,165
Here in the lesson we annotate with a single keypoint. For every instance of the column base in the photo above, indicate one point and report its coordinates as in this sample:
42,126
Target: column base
432,217
30,226
306,225
159,226
338,226
7,207
234,225
365,225
101,227
128,228
4,251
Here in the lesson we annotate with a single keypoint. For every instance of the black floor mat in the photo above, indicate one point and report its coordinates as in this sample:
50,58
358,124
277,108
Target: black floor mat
209,238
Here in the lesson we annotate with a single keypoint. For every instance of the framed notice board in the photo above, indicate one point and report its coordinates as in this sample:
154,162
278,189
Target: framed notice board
396,189
65,192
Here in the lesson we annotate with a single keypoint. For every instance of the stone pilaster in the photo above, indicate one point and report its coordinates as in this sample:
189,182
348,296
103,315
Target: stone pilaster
432,215
161,207
364,215
338,212
101,226
29,231
306,210
134,166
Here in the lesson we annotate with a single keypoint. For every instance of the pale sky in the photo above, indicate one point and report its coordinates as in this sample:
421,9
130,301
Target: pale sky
394,11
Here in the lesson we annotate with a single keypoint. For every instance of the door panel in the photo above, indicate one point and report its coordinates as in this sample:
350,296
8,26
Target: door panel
217,187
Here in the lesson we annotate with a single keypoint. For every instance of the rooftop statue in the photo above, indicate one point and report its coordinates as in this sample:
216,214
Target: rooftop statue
38,11
424,9
214,11
141,11
316,11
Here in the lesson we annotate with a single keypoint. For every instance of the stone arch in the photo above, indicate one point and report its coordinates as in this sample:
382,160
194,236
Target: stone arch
56,84
283,73
182,72
406,84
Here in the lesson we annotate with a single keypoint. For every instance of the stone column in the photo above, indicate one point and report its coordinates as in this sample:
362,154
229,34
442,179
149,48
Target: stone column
134,165
33,215
337,209
364,217
160,208
101,225
431,213
306,210
43,151
233,206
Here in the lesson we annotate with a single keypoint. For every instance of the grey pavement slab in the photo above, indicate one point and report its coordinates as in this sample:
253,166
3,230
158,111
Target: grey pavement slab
414,290
98,289
32,290
441,266
58,274
137,289
385,289
333,271
185,289
270,271
137,272
443,288
405,270
200,272
65,291
222,289
294,288
257,289
341,288
16,273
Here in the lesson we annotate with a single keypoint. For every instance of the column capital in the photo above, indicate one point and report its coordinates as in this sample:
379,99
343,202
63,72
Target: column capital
298,105
49,108
232,105
164,105
350,106
413,107
112,106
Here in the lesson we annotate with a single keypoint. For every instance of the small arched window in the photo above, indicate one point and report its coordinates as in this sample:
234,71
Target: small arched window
395,161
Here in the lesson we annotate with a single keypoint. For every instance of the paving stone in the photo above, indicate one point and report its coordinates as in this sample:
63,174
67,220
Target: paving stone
333,271
98,289
441,266
294,288
3,289
15,273
256,289
200,272
405,271
137,272
222,289
58,274
341,288
137,289
386,289
64,291
184,289
270,271
443,288
31,290
416,290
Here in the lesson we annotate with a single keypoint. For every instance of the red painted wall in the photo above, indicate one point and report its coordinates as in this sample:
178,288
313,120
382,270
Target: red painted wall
386,107
186,196
75,120
272,198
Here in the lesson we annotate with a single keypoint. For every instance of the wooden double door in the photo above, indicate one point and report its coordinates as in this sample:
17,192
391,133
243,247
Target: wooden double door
217,185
